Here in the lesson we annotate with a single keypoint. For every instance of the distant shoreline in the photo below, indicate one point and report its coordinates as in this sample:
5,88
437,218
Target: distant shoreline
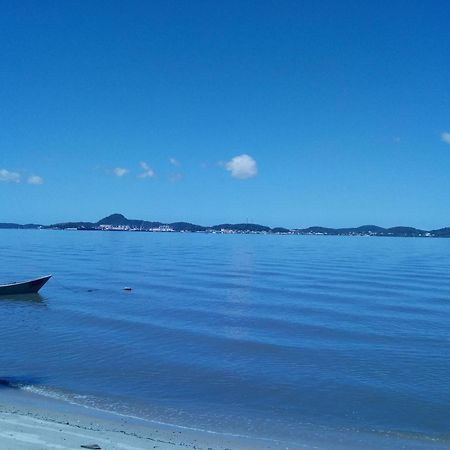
118,222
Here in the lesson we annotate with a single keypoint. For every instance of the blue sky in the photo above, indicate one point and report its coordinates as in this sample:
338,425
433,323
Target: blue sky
284,113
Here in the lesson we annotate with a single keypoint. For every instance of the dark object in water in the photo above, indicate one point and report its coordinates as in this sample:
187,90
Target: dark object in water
92,446
127,289
17,382
6,383
25,287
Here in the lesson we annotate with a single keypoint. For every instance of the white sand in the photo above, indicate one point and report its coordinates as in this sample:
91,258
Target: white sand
30,422
34,422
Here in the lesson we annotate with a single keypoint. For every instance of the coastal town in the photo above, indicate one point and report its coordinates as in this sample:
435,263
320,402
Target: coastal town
119,223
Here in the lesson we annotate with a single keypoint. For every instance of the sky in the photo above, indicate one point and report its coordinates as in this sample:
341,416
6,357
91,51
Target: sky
284,113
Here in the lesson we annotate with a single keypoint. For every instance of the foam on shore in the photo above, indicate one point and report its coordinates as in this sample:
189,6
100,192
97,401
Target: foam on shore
30,420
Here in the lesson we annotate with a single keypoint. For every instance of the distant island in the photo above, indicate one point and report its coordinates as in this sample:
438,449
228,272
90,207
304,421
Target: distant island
118,222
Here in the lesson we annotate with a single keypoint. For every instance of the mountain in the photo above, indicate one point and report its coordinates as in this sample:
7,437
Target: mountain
186,226
254,227
114,219
28,226
316,230
442,232
280,230
118,222
121,220
405,231
366,229
66,225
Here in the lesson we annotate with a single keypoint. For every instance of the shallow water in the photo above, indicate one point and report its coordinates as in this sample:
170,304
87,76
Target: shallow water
268,336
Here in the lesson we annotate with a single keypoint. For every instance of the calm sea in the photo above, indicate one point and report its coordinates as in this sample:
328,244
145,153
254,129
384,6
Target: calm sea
282,337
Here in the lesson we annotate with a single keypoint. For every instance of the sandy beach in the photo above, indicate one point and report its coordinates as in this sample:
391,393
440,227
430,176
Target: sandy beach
31,422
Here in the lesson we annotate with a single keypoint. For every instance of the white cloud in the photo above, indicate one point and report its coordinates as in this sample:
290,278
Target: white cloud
174,177
174,162
9,177
35,179
242,166
148,172
120,171
445,136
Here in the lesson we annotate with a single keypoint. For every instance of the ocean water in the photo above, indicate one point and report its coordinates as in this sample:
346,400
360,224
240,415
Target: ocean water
290,338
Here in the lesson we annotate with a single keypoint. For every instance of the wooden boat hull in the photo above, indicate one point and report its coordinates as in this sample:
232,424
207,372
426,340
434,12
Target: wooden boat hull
25,287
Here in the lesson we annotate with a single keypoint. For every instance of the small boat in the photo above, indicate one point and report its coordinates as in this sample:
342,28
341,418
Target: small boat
24,287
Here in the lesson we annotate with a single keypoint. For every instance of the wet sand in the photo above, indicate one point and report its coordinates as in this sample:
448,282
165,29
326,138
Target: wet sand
28,421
